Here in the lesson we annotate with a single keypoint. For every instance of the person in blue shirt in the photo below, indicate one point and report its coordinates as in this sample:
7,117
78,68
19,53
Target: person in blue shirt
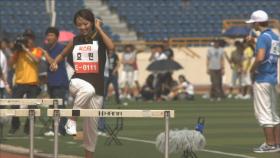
264,72
57,80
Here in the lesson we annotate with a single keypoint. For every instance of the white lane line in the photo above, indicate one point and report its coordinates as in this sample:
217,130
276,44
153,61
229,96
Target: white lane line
153,142
137,140
204,150
24,137
71,142
229,154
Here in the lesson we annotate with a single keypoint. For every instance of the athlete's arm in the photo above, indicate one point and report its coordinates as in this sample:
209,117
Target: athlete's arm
107,40
67,49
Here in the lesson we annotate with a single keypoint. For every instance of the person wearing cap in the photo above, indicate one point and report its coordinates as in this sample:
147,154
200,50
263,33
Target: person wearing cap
26,60
264,73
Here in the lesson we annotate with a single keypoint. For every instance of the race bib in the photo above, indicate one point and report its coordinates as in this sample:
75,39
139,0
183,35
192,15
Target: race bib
275,48
85,58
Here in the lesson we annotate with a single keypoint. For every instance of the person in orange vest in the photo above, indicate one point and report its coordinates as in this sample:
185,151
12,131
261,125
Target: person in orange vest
25,60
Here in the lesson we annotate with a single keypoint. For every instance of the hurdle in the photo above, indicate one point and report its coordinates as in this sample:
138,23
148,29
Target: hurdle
31,113
44,103
40,102
166,114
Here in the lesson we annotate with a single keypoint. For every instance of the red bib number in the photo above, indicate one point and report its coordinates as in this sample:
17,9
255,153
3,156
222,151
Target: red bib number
85,58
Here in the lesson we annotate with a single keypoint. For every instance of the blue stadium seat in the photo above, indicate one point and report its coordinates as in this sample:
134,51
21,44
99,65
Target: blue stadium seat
201,18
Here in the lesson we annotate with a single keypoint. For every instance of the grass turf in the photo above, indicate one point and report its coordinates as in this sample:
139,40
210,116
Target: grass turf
230,127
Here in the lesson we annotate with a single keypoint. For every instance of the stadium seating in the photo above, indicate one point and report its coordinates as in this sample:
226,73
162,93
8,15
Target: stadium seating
159,19
151,19
17,15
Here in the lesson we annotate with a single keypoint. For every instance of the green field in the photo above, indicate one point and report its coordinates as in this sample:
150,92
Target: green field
231,131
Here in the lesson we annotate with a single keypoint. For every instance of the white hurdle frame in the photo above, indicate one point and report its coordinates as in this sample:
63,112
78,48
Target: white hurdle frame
31,113
166,114
40,102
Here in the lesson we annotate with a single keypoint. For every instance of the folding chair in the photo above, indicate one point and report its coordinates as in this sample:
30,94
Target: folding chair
113,132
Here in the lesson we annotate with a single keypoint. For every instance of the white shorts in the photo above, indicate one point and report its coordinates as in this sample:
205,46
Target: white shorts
235,79
136,72
127,79
265,104
85,98
246,80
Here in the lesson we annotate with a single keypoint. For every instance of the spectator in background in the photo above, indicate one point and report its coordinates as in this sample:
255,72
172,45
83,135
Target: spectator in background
7,50
102,122
4,86
114,65
154,53
264,71
160,55
167,84
167,50
156,50
25,58
137,88
184,90
57,82
235,61
215,68
148,90
247,61
5,47
128,78
160,77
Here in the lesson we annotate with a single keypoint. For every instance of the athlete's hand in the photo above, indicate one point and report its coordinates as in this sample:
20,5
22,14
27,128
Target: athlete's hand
98,23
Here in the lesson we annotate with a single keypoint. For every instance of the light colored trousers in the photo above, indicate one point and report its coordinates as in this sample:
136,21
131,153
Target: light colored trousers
265,104
85,98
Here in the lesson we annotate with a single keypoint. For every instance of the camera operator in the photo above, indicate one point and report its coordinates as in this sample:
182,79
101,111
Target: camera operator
25,59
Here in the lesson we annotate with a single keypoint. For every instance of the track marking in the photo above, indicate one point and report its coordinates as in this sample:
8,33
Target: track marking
71,142
24,137
204,150
153,142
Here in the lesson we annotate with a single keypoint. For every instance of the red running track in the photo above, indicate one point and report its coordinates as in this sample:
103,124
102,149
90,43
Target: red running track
10,155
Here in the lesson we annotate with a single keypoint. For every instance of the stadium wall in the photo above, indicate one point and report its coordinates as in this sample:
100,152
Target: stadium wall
194,67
